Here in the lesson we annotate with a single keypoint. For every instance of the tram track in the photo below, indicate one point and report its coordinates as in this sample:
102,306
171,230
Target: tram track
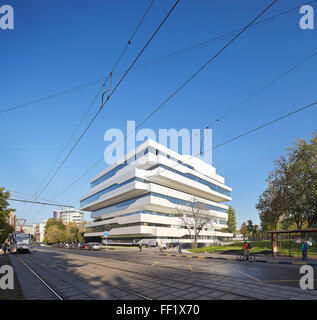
141,276
51,289
55,292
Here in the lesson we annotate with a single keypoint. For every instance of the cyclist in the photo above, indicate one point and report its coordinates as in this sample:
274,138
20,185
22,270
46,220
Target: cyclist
246,249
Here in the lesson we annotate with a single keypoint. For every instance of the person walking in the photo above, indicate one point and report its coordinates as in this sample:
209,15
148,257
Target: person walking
4,248
140,247
179,248
305,247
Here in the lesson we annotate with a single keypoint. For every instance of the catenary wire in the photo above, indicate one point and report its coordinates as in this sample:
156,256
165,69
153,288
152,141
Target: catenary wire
92,102
157,60
173,94
112,92
254,94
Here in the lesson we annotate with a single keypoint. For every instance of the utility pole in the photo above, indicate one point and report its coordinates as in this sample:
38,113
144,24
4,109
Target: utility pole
21,222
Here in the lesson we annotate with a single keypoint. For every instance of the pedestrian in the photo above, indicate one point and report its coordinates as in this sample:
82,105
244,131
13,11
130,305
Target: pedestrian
4,248
140,247
305,247
179,248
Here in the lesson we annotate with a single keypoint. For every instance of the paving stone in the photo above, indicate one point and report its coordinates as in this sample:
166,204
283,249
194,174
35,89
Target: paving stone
228,297
190,296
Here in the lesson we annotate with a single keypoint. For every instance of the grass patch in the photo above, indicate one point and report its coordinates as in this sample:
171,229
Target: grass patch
10,294
285,248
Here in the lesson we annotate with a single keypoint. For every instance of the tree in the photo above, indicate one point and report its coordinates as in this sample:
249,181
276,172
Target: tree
74,232
53,234
196,220
250,228
291,195
244,230
53,222
56,231
232,222
5,228
256,232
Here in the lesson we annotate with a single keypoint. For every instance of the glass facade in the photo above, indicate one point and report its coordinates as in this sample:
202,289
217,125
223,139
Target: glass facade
139,212
106,190
212,186
112,172
121,205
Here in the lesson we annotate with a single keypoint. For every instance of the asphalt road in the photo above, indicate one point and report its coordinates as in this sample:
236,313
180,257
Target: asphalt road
128,274
284,275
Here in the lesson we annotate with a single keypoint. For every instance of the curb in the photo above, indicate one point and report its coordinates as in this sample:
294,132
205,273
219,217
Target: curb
233,259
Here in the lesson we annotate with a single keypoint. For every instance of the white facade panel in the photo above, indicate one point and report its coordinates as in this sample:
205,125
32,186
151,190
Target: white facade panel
144,198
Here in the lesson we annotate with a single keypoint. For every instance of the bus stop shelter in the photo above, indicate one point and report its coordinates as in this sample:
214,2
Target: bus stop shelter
289,237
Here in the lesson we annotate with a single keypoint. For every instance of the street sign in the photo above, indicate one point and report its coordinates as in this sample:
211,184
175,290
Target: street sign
105,234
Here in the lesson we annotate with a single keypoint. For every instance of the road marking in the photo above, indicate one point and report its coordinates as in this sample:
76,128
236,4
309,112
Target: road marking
247,275
190,267
153,264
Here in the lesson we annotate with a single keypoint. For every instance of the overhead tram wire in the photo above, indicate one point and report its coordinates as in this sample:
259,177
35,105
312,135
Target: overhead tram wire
109,77
215,147
171,95
254,94
310,105
158,60
109,96
112,92
266,124
42,203
28,195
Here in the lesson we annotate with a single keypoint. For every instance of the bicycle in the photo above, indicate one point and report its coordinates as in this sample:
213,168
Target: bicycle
242,256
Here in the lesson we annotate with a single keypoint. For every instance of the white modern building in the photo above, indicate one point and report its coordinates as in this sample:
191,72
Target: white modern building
39,231
69,215
143,195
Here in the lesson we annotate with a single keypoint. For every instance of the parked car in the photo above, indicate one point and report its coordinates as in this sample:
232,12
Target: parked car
148,242
93,246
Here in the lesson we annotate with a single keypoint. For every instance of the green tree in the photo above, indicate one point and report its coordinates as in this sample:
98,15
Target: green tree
244,230
53,222
250,228
232,222
291,195
256,232
55,231
53,234
5,228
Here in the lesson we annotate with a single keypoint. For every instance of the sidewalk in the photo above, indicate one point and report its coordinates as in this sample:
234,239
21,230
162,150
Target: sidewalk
259,258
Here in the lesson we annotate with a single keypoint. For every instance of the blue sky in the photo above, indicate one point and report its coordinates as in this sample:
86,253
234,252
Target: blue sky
57,45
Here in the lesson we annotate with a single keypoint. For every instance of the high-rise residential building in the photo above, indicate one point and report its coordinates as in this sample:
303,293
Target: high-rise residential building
149,193
68,215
